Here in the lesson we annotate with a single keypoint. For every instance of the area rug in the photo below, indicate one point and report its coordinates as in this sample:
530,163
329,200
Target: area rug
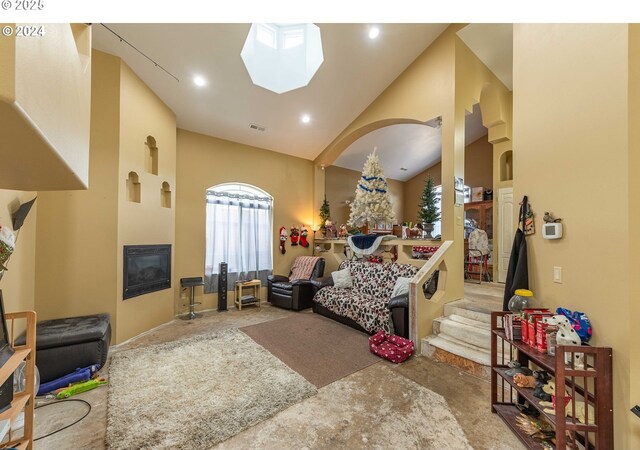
318,348
196,392
376,408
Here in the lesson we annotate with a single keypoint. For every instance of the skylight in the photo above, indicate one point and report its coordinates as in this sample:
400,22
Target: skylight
282,57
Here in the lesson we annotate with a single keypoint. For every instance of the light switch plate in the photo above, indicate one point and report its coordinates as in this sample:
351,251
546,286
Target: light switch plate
557,274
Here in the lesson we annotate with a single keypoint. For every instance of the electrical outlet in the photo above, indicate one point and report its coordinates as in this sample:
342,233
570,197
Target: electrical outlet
557,274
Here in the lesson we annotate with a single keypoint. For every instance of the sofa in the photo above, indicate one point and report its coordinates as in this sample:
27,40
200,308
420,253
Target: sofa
295,295
367,306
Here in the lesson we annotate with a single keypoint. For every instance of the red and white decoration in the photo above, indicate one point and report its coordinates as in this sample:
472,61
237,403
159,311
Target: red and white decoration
283,240
390,347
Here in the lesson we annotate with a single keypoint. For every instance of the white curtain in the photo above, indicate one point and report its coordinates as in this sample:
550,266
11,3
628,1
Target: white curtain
238,232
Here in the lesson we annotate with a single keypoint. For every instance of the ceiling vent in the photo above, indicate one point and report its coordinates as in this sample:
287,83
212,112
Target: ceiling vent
257,127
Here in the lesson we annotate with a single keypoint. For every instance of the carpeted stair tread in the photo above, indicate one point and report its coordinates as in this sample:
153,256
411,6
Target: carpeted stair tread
470,322
468,309
473,335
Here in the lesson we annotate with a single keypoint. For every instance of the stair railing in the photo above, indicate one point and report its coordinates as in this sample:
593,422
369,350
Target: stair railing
423,311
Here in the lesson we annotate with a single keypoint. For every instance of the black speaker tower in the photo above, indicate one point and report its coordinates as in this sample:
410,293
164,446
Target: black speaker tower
222,287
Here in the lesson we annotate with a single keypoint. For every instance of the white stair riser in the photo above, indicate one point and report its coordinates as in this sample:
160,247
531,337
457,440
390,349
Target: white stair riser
463,351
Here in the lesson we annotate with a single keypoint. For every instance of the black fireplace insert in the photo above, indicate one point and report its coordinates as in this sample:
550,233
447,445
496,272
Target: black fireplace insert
147,268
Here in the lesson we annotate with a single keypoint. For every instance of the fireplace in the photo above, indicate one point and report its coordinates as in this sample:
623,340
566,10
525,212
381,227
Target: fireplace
147,268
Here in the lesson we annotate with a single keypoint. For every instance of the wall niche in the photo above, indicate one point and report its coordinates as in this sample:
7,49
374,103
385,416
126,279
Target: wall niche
506,166
133,187
165,195
151,155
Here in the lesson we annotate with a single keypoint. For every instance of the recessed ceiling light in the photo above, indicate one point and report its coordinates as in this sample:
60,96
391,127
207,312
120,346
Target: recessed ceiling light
305,118
199,81
374,32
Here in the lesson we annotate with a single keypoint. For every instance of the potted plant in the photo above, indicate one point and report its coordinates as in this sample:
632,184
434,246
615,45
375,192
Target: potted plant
429,213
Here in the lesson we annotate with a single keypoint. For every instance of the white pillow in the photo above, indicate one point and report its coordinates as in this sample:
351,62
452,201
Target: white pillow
401,287
342,278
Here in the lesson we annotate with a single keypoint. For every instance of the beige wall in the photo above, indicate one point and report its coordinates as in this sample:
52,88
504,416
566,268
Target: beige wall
478,164
77,230
81,234
634,219
17,283
478,171
45,86
413,190
142,114
566,79
341,186
205,161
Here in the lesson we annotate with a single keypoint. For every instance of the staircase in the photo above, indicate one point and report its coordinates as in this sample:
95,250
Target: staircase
462,337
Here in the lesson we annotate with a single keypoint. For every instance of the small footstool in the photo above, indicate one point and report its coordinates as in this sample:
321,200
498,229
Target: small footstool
64,345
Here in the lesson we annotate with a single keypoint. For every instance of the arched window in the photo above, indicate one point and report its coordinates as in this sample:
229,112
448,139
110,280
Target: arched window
239,232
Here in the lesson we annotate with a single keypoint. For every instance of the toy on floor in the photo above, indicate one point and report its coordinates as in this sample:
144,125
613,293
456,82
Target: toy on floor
522,380
581,408
566,336
79,388
82,374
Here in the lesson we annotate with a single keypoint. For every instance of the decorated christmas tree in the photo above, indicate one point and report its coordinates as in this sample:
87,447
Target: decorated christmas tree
428,212
372,203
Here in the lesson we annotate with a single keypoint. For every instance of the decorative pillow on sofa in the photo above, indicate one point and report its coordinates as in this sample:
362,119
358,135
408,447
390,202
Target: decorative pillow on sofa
401,287
342,278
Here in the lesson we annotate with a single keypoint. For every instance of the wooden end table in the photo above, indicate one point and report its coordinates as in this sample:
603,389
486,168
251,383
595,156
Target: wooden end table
248,299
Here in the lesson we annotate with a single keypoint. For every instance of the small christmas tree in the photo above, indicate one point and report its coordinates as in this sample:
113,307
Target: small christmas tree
324,213
372,203
428,212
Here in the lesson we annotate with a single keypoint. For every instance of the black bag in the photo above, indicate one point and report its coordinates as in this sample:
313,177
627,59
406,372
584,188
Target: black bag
518,272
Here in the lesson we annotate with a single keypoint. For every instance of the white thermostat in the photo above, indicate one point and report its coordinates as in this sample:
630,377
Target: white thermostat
552,230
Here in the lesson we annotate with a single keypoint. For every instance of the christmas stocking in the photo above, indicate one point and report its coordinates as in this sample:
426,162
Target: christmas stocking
283,240
303,237
295,233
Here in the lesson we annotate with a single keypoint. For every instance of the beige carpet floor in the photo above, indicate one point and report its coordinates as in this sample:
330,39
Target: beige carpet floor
196,392
318,348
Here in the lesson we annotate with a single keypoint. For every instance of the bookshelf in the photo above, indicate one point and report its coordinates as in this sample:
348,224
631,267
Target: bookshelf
22,401
591,384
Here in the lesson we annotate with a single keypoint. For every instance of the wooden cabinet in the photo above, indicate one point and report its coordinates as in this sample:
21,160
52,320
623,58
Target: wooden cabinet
23,400
591,384
482,214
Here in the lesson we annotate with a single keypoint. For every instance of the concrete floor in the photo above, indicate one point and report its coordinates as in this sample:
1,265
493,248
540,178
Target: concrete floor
467,396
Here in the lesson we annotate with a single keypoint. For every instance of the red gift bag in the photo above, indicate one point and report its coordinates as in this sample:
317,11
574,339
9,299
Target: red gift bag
390,347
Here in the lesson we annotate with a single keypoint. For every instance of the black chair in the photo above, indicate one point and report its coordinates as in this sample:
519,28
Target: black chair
295,295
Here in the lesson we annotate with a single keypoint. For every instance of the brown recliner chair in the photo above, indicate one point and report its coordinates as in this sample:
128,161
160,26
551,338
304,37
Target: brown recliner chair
295,295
